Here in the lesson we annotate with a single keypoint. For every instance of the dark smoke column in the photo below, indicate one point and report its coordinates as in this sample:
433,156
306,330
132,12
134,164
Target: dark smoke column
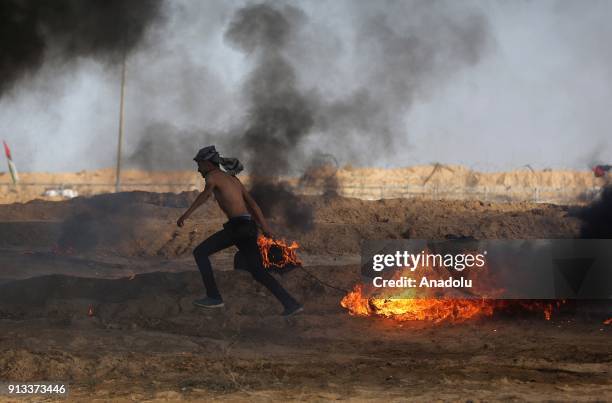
32,31
279,116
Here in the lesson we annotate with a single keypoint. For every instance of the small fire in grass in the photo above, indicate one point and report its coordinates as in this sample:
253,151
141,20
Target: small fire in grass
278,253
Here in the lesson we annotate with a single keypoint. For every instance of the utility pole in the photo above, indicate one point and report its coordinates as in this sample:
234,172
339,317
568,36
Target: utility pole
120,140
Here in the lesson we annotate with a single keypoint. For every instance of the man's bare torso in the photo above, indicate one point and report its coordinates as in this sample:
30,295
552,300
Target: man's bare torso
231,196
229,193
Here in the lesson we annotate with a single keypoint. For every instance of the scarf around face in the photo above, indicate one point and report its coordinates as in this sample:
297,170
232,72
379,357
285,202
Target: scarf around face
230,165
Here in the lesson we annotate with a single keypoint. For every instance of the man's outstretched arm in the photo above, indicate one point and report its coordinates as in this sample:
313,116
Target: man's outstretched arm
201,199
254,209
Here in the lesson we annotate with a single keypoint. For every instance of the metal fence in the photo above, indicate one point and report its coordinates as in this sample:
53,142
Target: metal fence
498,193
482,193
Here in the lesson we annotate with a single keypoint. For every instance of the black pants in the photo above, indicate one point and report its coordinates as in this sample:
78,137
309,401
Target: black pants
241,232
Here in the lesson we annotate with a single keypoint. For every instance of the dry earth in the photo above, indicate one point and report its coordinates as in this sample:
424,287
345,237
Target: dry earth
123,256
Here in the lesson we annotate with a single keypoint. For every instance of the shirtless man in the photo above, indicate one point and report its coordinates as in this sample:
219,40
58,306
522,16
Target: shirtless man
241,230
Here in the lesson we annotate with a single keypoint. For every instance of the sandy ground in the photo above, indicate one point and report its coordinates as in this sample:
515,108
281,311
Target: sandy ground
122,256
146,341
143,224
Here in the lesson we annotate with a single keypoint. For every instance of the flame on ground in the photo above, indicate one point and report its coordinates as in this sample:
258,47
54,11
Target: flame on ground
438,310
278,253
428,309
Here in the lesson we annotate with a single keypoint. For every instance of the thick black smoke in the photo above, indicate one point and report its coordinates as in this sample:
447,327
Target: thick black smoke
597,217
278,198
403,54
280,116
32,31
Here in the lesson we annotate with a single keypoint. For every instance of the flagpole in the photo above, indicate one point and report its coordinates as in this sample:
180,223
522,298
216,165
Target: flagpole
120,140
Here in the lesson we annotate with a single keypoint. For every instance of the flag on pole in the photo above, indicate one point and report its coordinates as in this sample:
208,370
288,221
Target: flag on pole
11,165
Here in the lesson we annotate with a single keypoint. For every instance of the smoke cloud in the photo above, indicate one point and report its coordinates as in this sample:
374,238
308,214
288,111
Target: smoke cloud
279,116
164,147
32,31
407,51
397,60
382,83
282,113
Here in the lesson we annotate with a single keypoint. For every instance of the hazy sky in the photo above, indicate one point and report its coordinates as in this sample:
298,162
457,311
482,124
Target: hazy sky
535,89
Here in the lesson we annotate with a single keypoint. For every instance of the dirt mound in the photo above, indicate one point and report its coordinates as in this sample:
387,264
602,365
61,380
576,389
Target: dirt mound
457,175
118,322
112,200
143,224
163,297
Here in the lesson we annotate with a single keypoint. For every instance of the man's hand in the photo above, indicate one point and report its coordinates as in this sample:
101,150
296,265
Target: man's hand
181,221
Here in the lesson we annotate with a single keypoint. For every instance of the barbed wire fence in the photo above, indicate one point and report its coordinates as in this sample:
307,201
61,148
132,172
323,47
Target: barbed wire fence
497,193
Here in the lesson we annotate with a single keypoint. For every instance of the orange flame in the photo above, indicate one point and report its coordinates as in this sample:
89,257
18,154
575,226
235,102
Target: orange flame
90,311
437,310
607,321
429,309
438,306
286,254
